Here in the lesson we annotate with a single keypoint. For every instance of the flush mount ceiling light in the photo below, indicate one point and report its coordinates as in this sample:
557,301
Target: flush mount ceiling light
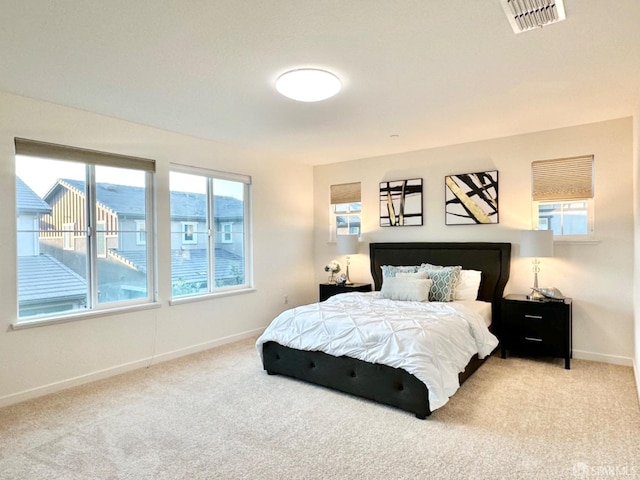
308,84
525,15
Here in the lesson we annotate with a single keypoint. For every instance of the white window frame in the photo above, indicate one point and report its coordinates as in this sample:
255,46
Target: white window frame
213,290
586,237
194,233
349,212
92,159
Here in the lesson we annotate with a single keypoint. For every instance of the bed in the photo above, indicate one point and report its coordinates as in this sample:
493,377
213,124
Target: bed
379,382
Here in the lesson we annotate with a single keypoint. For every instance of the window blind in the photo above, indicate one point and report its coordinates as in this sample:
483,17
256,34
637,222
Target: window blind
73,154
345,193
562,178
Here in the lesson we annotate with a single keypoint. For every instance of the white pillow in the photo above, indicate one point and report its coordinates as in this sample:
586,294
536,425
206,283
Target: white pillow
468,285
406,289
423,274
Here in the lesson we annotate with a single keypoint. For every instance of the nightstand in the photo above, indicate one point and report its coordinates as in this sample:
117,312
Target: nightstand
536,326
330,289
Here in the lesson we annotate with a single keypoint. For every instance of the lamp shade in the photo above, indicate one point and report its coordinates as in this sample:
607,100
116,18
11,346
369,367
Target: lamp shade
536,243
347,244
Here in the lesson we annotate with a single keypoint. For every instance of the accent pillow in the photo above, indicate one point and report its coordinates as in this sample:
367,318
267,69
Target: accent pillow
391,271
406,289
468,285
444,281
424,275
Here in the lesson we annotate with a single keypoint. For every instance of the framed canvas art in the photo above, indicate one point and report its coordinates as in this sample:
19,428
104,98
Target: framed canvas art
401,203
471,198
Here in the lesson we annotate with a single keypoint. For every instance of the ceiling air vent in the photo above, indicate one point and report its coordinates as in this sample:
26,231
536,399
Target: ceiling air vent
525,15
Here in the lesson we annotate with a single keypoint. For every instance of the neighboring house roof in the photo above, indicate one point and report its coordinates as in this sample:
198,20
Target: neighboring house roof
44,278
28,201
128,200
188,265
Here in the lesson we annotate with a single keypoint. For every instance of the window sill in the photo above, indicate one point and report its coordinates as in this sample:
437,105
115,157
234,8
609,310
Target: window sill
44,321
209,296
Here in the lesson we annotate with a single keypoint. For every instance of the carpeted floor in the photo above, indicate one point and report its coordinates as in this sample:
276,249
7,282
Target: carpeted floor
218,415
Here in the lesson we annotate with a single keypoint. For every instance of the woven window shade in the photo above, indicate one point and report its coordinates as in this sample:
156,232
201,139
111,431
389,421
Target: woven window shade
345,193
562,179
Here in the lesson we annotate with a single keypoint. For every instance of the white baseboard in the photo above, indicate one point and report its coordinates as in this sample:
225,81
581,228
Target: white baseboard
71,382
123,368
636,371
164,357
604,358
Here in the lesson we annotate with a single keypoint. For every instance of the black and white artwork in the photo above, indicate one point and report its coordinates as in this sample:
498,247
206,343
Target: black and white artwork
471,198
401,203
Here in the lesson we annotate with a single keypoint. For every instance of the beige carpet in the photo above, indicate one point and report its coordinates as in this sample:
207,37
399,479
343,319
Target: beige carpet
218,415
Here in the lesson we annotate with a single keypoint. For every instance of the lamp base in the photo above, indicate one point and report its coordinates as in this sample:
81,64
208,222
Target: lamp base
348,280
535,295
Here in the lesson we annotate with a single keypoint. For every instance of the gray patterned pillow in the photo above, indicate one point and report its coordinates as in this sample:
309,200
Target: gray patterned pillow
391,271
444,281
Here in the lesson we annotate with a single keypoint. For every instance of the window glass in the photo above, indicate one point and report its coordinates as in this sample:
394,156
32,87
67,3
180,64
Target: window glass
208,247
346,219
123,275
52,251
564,218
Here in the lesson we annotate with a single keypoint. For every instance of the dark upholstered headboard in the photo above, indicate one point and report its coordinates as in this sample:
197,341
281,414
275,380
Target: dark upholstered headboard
492,259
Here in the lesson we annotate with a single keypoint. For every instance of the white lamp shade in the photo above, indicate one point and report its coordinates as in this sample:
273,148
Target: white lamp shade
536,243
347,244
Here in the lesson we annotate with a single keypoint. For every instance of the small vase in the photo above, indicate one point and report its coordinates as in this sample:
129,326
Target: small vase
331,279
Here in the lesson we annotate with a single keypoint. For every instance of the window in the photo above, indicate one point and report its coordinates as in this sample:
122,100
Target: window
346,210
141,232
562,191
210,233
189,235
226,233
101,240
80,200
68,236
565,218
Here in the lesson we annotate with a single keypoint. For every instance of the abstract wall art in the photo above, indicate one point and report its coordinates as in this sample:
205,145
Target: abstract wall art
471,198
401,203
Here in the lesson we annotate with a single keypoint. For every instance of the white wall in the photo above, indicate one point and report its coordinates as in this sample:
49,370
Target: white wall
37,360
636,224
597,276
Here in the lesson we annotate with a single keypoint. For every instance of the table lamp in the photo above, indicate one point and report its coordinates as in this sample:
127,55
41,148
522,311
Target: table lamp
536,244
347,245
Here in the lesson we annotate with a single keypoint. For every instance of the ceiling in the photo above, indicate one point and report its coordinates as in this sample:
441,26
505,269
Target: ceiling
416,73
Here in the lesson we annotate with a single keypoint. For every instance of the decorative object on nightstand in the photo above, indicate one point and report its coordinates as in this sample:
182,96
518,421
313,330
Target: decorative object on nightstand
347,245
536,244
332,267
537,326
330,289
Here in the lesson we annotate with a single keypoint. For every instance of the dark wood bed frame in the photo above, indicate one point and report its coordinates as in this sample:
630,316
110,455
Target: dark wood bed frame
383,384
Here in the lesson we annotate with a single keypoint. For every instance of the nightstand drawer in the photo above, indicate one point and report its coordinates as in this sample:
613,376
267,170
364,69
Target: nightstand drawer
534,331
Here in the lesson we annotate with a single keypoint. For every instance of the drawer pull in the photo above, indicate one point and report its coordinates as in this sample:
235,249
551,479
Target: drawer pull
533,339
537,317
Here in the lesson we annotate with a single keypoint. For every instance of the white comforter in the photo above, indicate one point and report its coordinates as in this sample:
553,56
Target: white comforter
433,341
